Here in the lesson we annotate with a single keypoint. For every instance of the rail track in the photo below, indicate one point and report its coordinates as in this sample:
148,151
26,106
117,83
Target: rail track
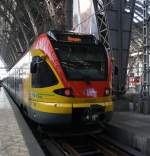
81,144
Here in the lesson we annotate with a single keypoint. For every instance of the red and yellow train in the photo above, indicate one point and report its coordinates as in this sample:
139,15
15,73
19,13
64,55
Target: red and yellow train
64,78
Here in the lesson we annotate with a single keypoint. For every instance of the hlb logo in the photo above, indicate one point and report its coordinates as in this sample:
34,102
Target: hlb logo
90,92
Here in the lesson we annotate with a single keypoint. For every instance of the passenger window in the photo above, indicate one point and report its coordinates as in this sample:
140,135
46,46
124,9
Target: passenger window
43,76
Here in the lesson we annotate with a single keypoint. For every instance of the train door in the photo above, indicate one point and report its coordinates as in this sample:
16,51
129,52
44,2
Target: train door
25,78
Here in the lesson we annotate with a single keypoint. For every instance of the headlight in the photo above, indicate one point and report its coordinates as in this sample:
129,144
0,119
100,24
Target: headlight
107,92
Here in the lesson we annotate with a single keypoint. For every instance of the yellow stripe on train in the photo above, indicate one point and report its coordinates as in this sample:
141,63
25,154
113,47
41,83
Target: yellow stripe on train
65,108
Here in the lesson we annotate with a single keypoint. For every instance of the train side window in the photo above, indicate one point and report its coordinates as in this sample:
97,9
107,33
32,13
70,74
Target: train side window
43,75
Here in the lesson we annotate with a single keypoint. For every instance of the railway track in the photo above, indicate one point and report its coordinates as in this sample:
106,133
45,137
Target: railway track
79,142
87,144
82,146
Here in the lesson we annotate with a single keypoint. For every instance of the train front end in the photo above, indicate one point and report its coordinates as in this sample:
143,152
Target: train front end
71,80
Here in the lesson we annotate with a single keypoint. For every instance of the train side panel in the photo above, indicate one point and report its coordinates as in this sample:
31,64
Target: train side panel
18,82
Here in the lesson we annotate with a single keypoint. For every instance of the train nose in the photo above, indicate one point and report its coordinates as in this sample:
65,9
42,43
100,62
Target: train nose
94,112
91,117
88,114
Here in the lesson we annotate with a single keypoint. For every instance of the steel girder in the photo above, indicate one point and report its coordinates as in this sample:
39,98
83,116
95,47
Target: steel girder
137,38
29,19
102,23
15,27
120,25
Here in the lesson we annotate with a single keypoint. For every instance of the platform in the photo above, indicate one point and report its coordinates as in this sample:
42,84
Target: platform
15,137
132,129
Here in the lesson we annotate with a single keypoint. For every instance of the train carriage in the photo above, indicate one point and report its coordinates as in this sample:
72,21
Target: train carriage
65,78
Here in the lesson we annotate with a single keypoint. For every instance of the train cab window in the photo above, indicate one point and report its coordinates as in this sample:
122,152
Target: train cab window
42,74
82,62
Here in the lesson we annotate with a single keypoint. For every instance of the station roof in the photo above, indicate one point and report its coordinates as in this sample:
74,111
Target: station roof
22,21
136,46
137,30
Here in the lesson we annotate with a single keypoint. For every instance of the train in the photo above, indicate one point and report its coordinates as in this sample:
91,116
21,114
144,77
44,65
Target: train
65,78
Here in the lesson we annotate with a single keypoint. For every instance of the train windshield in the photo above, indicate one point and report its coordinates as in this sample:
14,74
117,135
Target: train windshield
82,61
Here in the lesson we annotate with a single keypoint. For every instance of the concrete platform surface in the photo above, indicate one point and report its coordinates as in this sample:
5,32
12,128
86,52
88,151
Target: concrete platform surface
11,139
132,129
16,138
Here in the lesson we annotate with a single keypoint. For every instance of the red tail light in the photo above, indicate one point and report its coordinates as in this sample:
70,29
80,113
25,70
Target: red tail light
64,92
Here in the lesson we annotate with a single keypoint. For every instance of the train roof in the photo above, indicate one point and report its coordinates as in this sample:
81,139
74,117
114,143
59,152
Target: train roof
69,36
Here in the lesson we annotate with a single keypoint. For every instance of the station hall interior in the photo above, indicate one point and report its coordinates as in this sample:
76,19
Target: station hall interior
74,77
